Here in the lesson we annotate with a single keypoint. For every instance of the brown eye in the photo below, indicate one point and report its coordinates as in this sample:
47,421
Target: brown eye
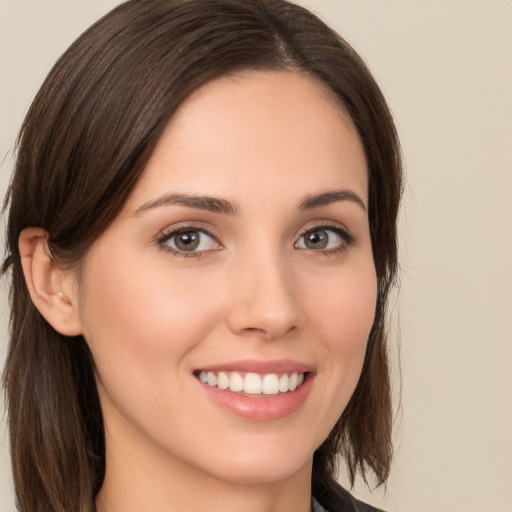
189,241
324,239
316,239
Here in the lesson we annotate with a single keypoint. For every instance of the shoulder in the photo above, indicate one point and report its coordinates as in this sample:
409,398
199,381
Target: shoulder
334,498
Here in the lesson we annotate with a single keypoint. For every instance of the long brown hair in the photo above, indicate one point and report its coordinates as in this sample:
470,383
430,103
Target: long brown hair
83,145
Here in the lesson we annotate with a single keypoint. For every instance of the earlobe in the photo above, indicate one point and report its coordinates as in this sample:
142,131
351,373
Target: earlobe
51,288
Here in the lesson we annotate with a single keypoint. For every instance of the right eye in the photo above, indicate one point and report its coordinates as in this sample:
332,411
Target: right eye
188,241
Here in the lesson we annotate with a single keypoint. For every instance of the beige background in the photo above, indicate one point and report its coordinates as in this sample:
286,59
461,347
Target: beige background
446,69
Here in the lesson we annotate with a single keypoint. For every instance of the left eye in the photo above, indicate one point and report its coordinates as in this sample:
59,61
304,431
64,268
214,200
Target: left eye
190,240
321,239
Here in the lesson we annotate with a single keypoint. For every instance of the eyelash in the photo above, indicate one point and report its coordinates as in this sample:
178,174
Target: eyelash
166,235
347,240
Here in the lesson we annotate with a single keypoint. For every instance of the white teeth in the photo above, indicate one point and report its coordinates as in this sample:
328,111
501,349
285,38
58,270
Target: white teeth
236,382
283,383
211,378
270,384
253,383
222,381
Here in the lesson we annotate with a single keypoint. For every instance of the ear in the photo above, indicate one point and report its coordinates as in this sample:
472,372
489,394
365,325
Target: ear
52,288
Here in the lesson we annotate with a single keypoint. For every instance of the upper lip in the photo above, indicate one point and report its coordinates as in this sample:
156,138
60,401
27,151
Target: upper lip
259,366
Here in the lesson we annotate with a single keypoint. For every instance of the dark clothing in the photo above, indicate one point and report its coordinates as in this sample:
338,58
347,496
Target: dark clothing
333,498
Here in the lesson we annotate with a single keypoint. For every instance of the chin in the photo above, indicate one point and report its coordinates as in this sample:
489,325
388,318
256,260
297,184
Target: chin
260,472
260,462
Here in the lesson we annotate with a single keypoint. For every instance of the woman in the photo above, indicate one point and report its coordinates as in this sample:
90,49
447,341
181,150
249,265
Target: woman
202,238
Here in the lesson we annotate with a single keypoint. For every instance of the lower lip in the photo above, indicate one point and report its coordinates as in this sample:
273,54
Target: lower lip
261,407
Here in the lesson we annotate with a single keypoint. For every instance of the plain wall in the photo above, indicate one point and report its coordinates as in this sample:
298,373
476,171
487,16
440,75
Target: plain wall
446,70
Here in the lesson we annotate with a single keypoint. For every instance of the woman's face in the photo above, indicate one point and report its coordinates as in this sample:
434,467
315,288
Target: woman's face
242,258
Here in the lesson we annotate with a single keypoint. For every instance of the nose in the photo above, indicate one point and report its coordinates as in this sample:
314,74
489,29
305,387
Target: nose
265,299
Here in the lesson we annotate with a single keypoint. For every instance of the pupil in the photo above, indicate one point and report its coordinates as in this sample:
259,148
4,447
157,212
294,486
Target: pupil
317,240
187,241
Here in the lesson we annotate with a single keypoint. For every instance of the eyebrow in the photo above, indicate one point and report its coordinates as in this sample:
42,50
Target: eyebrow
332,196
223,206
211,204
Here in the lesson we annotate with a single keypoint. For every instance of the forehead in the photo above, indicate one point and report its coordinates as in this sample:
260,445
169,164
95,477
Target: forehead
277,127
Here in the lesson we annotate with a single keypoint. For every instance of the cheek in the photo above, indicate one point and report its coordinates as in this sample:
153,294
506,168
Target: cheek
355,320
140,323
345,316
346,310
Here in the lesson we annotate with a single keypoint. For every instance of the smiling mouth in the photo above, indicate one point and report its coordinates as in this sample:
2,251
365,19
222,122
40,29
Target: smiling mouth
253,384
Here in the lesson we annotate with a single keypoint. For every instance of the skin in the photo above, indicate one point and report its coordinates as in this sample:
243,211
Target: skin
265,142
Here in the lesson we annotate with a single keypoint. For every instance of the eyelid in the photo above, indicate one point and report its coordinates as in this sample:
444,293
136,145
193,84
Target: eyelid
341,230
326,224
171,231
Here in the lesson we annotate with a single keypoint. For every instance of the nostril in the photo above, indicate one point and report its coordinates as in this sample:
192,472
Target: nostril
251,330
